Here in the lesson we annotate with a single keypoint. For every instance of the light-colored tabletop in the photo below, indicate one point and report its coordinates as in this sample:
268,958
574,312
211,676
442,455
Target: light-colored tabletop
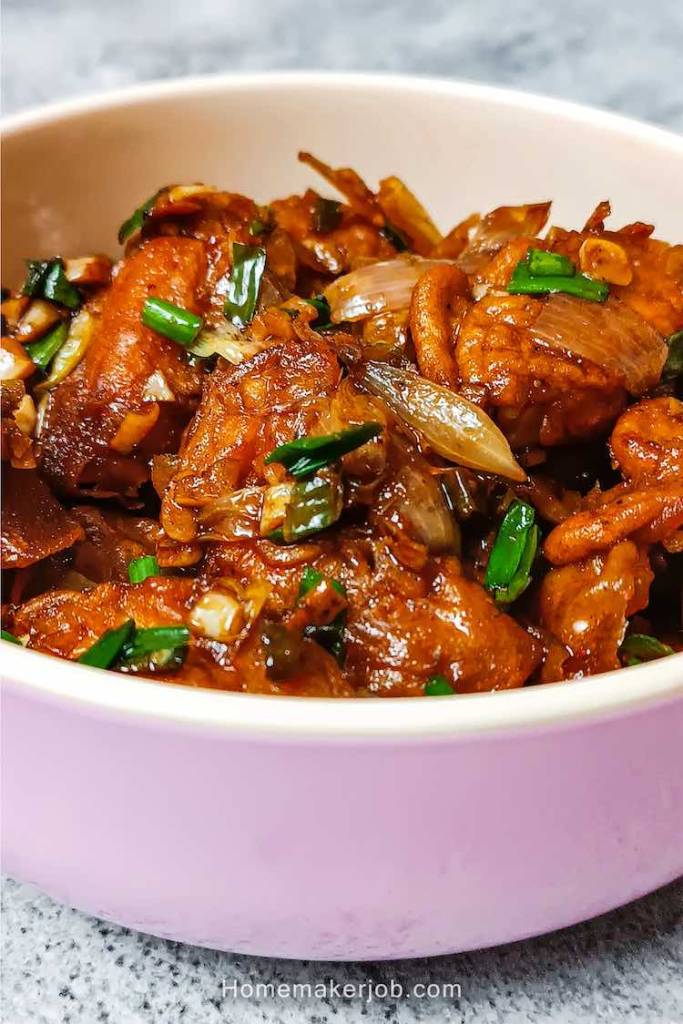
58,965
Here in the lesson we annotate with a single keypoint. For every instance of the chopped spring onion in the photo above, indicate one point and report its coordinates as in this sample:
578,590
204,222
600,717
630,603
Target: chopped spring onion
136,219
316,504
173,322
438,686
156,638
142,568
248,264
549,264
331,634
312,577
46,279
395,237
104,651
9,638
508,572
257,227
326,214
45,349
639,647
282,649
306,455
673,367
524,282
323,321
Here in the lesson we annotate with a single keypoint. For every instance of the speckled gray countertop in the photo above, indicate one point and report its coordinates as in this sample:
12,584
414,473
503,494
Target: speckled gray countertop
58,965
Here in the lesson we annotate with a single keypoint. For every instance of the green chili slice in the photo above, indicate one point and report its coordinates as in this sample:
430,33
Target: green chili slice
173,322
639,647
673,367
438,686
142,568
248,264
312,577
306,455
104,651
508,572
43,351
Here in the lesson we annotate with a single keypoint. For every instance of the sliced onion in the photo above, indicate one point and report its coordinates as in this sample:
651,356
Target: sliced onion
498,228
37,320
405,212
610,334
134,429
225,340
156,389
424,507
387,285
232,517
72,351
454,427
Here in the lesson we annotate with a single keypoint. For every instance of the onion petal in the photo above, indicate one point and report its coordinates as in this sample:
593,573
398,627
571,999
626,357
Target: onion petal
386,285
611,334
453,426
498,228
406,212
226,340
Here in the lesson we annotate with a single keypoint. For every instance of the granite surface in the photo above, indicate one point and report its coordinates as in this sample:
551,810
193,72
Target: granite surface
58,965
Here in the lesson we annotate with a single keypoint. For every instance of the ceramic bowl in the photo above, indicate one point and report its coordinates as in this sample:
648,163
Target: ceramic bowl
316,828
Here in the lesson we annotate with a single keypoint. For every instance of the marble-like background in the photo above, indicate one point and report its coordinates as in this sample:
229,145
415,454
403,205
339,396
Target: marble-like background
61,967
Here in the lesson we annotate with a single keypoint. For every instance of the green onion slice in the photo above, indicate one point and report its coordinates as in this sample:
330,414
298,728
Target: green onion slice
639,647
9,638
312,577
508,572
326,215
248,264
173,322
141,568
316,503
395,237
438,686
46,279
43,351
257,227
524,282
549,264
137,218
673,367
156,638
322,322
306,455
104,651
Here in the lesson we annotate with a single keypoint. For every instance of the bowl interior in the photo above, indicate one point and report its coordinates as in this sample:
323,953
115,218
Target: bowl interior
71,176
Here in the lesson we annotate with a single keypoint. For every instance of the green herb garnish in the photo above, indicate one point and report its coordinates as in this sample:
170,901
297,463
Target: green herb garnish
508,572
257,227
156,638
673,367
248,264
331,635
45,349
525,282
142,568
137,218
104,651
438,686
639,647
326,215
312,577
395,237
46,279
173,322
306,455
9,638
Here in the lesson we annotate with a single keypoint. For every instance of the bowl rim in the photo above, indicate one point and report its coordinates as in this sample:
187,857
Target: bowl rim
90,690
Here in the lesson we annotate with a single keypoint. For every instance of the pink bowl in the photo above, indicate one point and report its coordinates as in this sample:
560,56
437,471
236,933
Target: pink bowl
313,828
